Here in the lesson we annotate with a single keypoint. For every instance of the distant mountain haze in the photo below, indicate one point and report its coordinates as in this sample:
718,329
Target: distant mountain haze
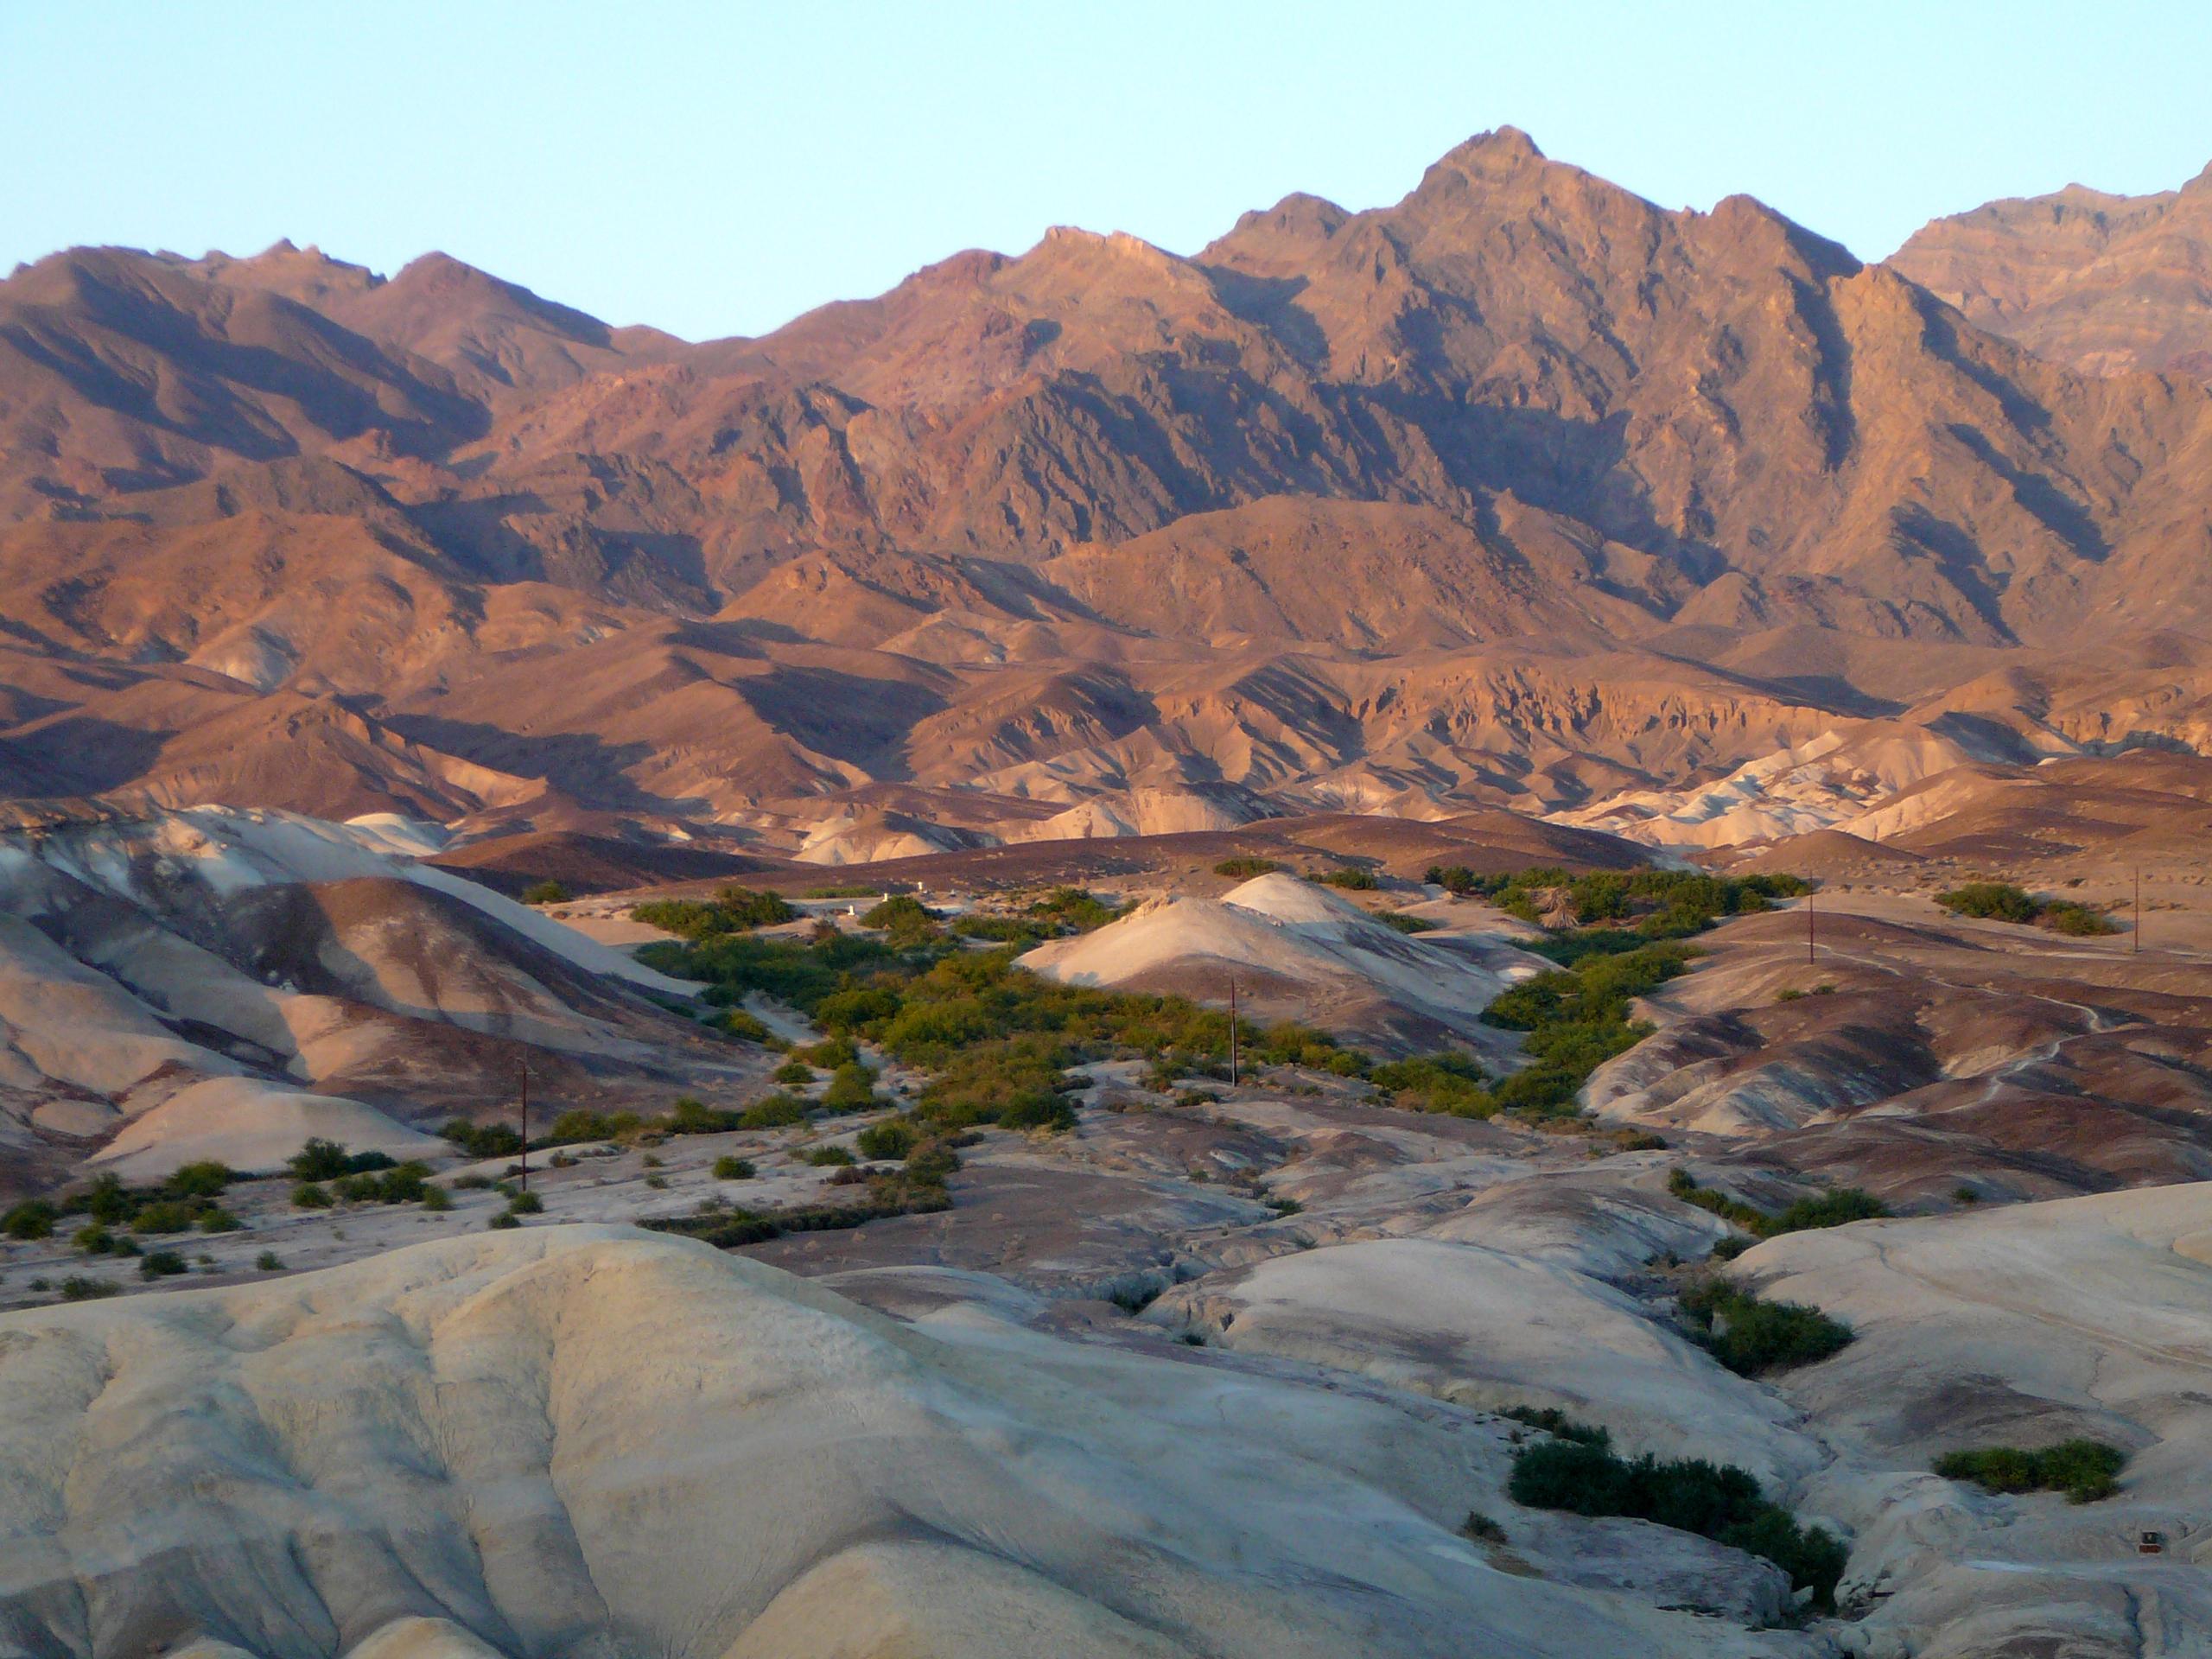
1523,491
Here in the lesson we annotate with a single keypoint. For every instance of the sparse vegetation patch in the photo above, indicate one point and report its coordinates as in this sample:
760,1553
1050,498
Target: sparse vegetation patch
2084,1469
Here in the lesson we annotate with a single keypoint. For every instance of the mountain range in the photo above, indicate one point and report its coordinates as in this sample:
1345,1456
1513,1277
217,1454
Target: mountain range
1521,492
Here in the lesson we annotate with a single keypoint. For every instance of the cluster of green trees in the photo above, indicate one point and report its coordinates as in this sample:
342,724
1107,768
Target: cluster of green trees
1616,910
732,909
1578,1470
2000,901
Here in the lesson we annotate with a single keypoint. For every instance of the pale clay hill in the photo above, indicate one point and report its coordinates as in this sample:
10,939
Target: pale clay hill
1520,492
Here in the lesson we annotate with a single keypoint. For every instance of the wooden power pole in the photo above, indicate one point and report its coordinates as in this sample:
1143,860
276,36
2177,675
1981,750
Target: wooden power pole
1232,1031
525,1122
2135,935
1808,927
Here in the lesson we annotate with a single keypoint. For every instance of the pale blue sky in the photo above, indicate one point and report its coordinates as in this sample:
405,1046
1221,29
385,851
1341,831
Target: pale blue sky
716,169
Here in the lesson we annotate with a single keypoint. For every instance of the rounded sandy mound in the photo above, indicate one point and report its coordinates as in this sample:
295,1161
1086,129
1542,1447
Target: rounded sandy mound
1296,951
591,1440
252,1127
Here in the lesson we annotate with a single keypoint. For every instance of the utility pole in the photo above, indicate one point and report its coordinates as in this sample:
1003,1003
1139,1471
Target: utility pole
1808,927
2135,937
1232,1031
525,1122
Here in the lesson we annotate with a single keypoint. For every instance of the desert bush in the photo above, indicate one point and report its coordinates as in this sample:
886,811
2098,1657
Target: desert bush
526,1203
906,919
318,1159
793,1073
32,1218
205,1179
269,1261
729,1167
161,1264
1245,868
777,1112
169,1215
1751,1336
1558,1424
1071,910
1405,924
83,1287
482,1140
2084,1469
1436,1083
504,1218
436,1199
2064,916
1352,877
733,910
311,1195
1481,1529
852,1089
548,892
216,1219
744,1026
1001,930
829,1157
690,1115
1997,902
1837,1208
887,1142
1717,1501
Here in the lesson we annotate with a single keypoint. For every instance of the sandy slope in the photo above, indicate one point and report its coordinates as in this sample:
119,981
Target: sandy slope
514,1437
2022,1325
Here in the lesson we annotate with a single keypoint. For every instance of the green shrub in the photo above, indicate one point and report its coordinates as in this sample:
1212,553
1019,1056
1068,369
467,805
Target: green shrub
326,1161
852,1089
829,1157
1996,901
269,1261
504,1218
1245,868
744,1026
1751,1336
1558,1424
1717,1501
731,1168
526,1203
2064,916
777,1112
1350,877
887,1142
1837,1208
170,1215
1405,924
32,1218
795,1073
205,1179
484,1139
906,920
1071,910
161,1264
436,1199
311,1195
216,1219
83,1287
734,910
2084,1469
832,1052
548,892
